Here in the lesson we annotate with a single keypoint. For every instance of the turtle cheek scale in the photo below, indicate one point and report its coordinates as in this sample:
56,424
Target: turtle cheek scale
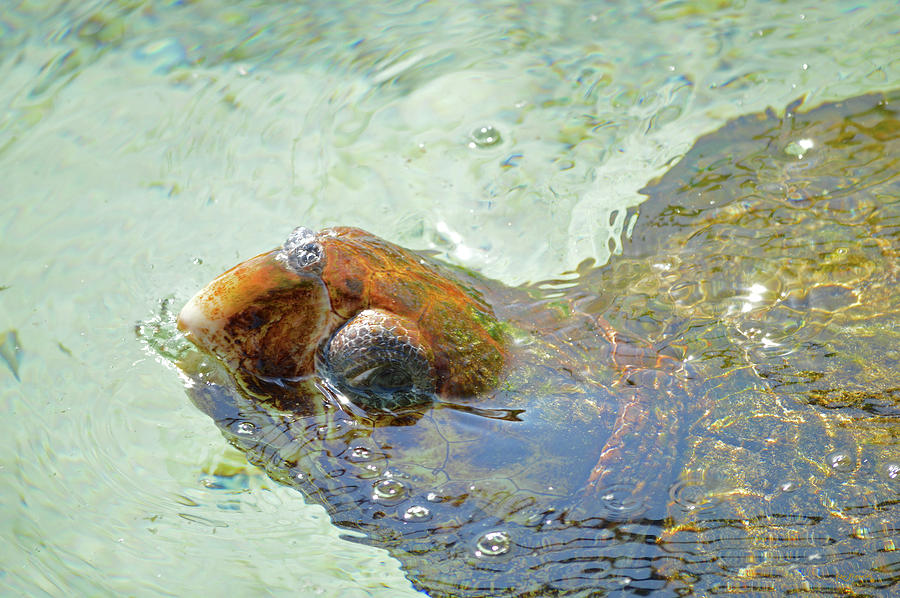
260,319
465,341
381,359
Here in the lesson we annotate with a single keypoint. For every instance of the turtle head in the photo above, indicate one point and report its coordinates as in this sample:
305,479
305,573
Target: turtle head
384,325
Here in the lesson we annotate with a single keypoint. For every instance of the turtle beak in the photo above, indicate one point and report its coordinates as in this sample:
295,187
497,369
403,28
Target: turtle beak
261,317
194,319
204,318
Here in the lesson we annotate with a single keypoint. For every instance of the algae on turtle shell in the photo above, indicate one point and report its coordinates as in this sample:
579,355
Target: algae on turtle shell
713,411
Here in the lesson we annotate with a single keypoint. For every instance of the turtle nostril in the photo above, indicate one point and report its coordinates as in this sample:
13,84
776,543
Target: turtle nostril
301,251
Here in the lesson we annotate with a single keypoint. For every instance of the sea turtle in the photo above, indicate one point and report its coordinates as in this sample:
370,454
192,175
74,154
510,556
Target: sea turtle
715,409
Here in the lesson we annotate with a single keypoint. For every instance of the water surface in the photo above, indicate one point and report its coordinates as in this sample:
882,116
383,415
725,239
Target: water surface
146,147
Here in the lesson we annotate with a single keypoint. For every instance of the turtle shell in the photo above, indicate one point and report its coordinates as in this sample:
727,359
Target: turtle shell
715,410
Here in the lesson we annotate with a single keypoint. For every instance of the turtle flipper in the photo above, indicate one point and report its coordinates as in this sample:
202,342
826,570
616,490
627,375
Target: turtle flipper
651,404
644,426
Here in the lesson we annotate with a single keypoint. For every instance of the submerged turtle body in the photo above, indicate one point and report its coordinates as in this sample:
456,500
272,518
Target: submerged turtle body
712,409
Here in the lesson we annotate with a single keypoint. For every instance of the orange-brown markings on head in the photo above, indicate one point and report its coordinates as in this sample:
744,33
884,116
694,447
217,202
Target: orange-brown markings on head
346,274
364,272
234,290
263,319
279,335
470,360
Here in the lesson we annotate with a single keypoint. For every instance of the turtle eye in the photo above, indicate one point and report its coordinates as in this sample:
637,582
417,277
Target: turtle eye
389,377
301,251
379,361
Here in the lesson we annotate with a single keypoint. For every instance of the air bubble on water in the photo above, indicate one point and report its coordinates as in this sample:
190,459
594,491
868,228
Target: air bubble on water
493,544
689,493
483,137
619,502
788,486
246,428
360,454
417,513
799,148
388,489
890,470
840,461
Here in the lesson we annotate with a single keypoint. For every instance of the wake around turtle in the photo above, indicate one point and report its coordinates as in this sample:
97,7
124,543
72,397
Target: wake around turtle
715,410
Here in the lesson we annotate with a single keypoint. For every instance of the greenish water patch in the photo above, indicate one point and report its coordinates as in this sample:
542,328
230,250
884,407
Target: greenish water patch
11,351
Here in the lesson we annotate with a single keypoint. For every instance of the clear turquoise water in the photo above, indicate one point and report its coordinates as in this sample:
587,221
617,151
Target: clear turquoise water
146,147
